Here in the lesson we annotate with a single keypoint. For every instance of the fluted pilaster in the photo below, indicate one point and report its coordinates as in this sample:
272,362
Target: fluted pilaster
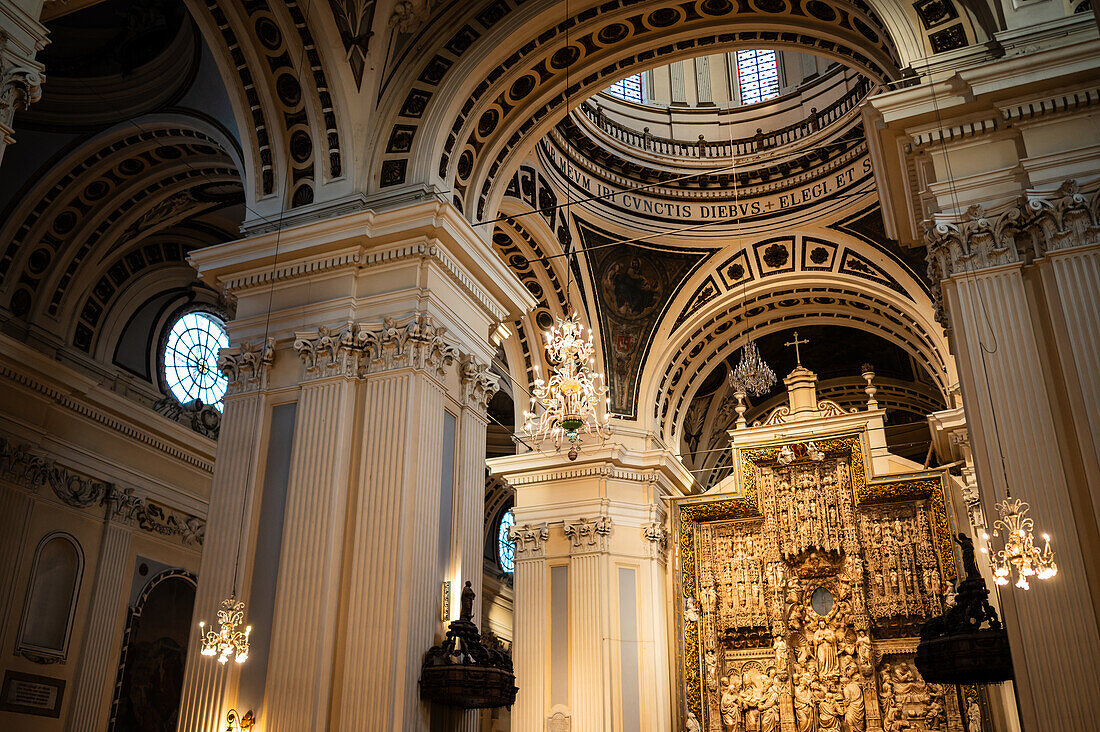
15,507
590,692
95,676
303,632
1003,374
393,582
202,703
531,628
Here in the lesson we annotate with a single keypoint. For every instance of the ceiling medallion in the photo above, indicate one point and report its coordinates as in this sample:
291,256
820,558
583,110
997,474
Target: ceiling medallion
1020,552
752,375
227,641
575,395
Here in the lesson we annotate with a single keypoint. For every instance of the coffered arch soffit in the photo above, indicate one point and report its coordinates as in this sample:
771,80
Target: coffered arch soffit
67,235
700,333
460,121
287,96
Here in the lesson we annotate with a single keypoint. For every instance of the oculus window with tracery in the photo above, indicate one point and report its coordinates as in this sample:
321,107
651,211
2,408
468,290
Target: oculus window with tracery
757,75
506,551
191,359
629,89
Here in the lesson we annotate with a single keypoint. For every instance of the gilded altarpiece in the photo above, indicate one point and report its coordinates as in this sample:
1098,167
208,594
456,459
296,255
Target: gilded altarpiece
803,597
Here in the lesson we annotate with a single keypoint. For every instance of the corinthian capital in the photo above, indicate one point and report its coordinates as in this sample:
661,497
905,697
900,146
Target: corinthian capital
657,536
478,383
588,535
247,365
20,87
529,540
1064,219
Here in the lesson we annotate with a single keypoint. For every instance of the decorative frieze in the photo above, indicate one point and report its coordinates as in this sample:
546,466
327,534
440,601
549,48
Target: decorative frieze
20,465
588,535
529,540
247,366
357,350
202,418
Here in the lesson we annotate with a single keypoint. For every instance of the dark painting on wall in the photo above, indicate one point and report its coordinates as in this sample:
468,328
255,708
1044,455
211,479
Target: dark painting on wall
154,656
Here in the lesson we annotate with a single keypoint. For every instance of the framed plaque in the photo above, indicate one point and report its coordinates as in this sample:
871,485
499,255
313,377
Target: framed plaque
31,694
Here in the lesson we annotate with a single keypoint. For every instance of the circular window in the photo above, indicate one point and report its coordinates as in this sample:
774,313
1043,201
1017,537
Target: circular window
821,601
506,551
191,359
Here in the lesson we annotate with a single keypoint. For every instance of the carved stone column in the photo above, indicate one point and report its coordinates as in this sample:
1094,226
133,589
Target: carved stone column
604,523
95,676
530,639
21,77
1019,384
202,701
15,506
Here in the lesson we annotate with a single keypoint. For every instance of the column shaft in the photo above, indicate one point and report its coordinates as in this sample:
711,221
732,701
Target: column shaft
303,633
15,506
202,705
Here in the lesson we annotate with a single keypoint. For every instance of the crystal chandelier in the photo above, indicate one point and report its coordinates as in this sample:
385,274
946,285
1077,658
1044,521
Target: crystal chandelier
227,640
1020,552
574,396
752,375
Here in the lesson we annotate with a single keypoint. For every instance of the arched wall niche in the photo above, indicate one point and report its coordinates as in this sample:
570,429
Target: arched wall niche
483,126
154,648
53,591
67,228
718,327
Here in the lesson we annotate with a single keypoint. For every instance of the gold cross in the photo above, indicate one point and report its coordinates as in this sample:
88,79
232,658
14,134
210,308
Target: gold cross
796,343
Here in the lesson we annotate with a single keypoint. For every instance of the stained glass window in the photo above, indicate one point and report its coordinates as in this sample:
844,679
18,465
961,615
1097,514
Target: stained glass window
629,89
505,549
757,75
191,359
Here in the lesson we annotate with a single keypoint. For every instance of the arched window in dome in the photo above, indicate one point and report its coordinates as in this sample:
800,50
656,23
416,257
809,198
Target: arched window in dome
757,75
191,359
506,552
629,89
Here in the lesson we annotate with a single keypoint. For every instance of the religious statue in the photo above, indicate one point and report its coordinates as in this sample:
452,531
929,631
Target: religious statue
730,704
708,597
824,639
769,704
466,603
804,713
782,653
855,711
863,653
711,661
691,610
692,723
973,717
750,702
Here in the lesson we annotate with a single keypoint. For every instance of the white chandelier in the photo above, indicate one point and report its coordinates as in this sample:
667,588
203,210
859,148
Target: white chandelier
227,640
752,375
1020,552
575,395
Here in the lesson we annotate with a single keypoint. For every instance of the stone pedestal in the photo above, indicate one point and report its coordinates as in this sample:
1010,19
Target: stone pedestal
380,329
591,586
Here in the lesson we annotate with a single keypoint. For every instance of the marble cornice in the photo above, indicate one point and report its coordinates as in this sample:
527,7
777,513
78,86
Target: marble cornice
89,411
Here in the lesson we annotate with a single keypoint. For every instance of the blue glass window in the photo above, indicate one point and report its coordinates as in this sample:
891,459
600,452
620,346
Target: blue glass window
191,359
505,550
629,89
757,75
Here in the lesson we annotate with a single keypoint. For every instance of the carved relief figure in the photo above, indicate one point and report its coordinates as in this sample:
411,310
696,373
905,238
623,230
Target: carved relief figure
730,704
825,649
769,705
855,711
973,717
804,712
863,653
